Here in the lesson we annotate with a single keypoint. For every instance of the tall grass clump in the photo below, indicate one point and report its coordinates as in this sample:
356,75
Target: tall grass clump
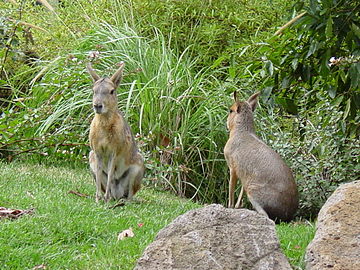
178,114
214,30
177,110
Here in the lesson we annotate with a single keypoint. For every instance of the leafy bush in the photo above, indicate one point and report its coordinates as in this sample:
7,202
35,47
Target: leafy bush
318,153
17,57
318,93
320,57
213,31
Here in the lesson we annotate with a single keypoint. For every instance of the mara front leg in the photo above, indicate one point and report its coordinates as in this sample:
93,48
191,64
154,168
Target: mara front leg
110,176
97,169
232,185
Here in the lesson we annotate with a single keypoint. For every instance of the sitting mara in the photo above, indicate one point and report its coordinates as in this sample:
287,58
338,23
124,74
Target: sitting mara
266,179
115,162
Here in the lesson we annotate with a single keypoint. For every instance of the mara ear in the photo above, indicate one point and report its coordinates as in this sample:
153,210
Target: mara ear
92,72
118,75
253,100
235,96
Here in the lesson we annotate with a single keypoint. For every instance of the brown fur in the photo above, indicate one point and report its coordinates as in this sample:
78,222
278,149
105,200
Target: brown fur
115,161
266,179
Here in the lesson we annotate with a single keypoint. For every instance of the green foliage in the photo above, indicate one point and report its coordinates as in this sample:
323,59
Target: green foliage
321,54
311,73
17,59
328,158
20,122
213,31
166,105
170,107
317,151
183,60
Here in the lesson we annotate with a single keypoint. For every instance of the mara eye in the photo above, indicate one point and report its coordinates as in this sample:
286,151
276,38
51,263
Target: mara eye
230,111
112,91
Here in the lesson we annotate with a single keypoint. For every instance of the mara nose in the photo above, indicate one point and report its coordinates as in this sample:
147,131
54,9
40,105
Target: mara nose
98,108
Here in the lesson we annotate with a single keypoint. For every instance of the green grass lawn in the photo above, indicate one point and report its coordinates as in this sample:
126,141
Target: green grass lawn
71,232
294,238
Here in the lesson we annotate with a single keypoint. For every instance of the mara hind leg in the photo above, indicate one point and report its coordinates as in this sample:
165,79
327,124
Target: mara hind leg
238,203
128,184
256,205
135,177
232,185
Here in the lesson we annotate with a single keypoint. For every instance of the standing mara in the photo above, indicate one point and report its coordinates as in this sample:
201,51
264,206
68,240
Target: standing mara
266,179
115,162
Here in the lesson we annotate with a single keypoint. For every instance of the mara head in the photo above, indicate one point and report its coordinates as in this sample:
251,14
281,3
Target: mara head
242,111
104,90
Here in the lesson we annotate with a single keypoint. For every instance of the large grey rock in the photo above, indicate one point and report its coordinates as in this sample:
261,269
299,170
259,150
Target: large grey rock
213,238
336,244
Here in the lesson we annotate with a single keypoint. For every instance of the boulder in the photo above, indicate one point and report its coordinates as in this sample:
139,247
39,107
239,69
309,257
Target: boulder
336,244
215,237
